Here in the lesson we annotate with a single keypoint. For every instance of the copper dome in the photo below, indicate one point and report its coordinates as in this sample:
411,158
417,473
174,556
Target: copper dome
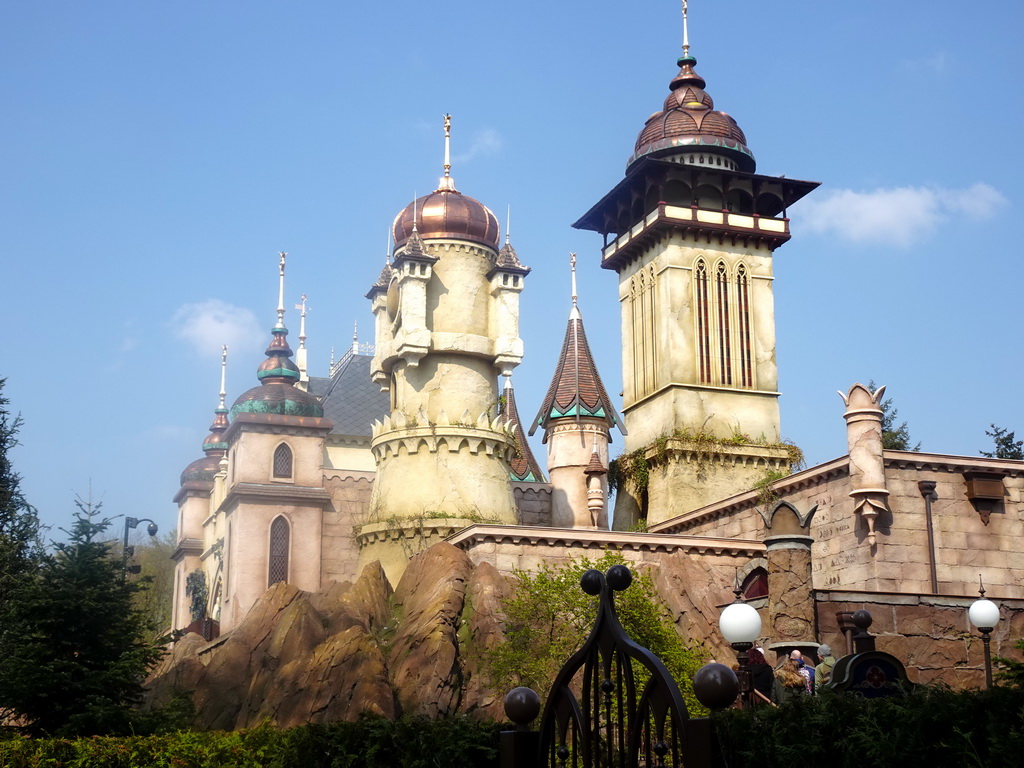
448,213
688,120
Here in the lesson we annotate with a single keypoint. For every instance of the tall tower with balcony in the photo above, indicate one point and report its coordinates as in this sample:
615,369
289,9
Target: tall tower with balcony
691,231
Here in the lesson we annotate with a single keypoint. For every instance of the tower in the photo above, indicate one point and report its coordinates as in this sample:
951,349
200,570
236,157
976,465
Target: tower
193,500
691,231
447,325
577,416
268,527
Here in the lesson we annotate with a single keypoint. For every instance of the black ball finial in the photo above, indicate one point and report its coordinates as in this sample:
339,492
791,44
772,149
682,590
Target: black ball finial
716,686
861,620
522,705
619,577
592,581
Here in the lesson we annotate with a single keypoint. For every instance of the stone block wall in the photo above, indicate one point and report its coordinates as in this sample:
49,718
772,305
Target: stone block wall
930,634
533,503
350,498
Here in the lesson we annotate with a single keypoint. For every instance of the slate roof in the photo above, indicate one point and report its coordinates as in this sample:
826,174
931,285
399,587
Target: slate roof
576,389
524,466
350,398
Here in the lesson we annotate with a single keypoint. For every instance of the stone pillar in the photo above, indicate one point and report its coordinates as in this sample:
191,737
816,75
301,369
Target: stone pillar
867,470
790,599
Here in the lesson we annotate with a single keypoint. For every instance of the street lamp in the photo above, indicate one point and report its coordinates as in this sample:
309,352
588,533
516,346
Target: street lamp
740,625
126,552
984,615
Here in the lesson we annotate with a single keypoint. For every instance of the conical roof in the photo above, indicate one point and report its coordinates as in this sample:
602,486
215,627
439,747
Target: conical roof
524,466
576,390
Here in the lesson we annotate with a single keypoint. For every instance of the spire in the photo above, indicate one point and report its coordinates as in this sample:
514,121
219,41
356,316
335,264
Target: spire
686,34
576,390
383,279
302,321
355,337
508,225
278,365
214,444
447,182
507,259
524,467
280,295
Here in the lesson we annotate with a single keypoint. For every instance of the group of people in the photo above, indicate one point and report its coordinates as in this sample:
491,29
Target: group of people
794,677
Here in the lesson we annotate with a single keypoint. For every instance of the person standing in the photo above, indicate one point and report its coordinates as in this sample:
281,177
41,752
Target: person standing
823,672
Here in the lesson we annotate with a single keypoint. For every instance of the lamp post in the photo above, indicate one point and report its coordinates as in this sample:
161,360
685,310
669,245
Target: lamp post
740,625
126,553
984,615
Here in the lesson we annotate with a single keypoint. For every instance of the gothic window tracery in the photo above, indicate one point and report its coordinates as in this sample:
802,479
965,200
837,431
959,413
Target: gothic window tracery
723,325
642,297
702,311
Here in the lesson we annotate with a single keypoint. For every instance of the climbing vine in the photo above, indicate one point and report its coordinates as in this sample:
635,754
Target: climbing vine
195,588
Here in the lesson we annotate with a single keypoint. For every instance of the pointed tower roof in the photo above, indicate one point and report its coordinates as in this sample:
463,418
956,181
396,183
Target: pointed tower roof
576,390
214,446
524,466
277,393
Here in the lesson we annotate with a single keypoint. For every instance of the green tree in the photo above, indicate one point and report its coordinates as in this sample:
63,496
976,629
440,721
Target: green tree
1005,446
75,649
894,437
549,616
156,579
20,545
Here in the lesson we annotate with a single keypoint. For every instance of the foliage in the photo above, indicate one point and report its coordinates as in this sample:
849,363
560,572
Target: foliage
371,742
1005,446
549,616
894,438
74,655
156,579
929,727
196,589
20,545
1010,672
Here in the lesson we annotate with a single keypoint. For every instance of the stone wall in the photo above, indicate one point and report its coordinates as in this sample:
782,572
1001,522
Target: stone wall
350,498
930,634
533,503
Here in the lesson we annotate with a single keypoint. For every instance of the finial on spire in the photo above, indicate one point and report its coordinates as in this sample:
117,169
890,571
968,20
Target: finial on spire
508,224
447,182
302,321
223,373
414,212
575,309
331,366
686,33
280,295
387,252
355,337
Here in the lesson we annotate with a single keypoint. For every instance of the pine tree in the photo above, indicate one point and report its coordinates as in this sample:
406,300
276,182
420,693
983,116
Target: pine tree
1005,446
75,652
20,544
894,438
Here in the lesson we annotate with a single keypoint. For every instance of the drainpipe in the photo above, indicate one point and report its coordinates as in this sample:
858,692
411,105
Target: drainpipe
927,489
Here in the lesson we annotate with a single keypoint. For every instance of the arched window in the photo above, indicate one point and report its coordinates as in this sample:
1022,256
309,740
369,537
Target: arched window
282,461
743,326
755,585
277,569
724,331
702,312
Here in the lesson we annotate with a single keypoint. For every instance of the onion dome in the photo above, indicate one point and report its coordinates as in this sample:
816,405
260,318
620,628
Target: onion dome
447,213
277,393
689,121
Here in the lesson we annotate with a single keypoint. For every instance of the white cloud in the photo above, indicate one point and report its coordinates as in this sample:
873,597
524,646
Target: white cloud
899,216
485,142
211,323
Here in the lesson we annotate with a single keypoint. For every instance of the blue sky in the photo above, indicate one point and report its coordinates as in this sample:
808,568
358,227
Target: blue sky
154,157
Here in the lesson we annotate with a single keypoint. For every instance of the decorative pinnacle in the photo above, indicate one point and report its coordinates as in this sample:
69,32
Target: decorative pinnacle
355,337
387,252
223,372
575,309
447,182
508,225
686,33
414,213
280,295
302,321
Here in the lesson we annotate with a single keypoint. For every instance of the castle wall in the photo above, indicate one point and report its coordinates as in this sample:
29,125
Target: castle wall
533,503
350,499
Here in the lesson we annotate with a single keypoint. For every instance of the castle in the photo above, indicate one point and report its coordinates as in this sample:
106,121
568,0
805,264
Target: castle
308,479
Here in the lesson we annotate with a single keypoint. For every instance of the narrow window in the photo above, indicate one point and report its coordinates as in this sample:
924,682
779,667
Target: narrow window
636,320
640,337
743,312
724,340
283,461
278,567
652,312
703,329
